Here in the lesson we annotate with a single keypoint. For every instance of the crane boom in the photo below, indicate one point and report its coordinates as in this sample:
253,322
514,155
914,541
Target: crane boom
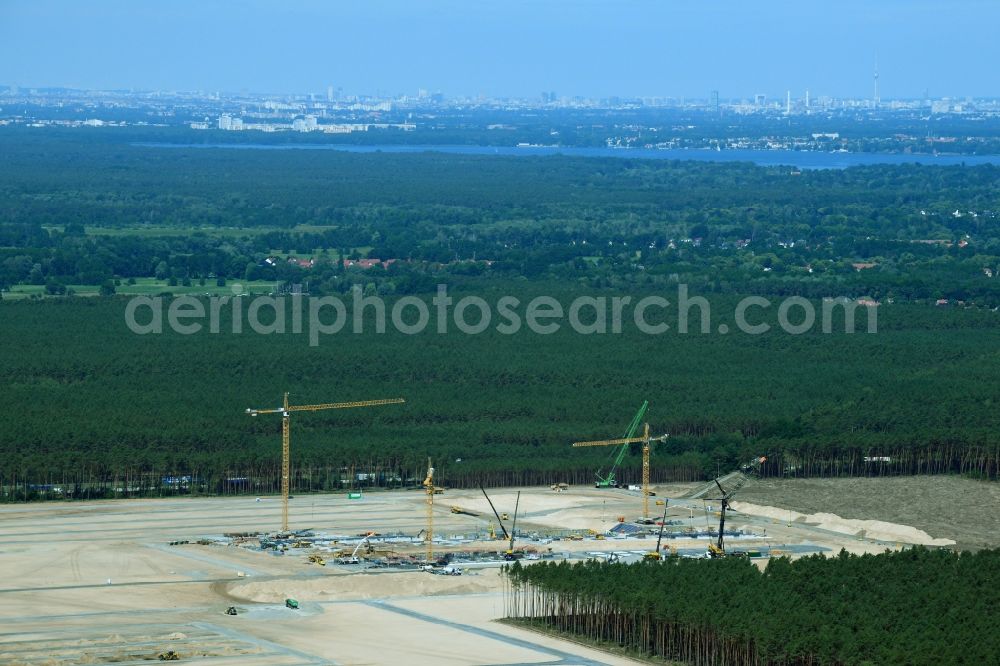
354,555
500,522
287,409
513,527
328,405
610,481
752,467
663,522
346,405
611,442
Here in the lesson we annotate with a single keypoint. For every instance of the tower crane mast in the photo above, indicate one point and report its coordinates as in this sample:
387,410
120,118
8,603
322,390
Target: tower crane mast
429,534
285,410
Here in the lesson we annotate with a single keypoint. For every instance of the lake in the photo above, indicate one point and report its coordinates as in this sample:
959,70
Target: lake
794,158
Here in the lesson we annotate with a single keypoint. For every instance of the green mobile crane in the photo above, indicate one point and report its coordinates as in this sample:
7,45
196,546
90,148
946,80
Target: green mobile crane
609,481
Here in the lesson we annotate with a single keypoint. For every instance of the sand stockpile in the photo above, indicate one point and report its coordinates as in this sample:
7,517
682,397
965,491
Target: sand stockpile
871,529
364,586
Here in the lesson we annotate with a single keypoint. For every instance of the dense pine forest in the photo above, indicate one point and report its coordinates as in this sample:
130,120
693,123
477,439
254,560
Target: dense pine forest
910,607
92,409
98,410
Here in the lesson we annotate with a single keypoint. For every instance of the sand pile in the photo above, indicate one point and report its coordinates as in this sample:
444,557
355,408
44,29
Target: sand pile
364,586
871,529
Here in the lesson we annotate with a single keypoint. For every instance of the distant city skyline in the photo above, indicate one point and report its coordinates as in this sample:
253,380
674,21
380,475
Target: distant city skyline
787,101
515,48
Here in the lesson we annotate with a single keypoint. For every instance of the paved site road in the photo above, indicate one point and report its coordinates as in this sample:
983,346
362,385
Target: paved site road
561,657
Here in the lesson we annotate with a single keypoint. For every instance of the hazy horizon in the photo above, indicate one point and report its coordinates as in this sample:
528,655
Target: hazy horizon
501,49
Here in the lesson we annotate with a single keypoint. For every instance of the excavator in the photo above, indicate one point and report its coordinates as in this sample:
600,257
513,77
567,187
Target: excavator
748,470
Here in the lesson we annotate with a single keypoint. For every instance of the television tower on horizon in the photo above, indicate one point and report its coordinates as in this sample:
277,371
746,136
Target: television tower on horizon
878,100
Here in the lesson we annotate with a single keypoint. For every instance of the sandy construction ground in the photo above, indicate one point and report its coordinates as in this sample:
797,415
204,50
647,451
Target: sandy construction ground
950,507
98,582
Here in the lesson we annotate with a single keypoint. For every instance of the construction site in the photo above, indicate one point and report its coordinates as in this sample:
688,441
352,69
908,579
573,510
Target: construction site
407,576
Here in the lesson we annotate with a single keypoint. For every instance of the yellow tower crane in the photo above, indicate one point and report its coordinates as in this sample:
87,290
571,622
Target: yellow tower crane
285,410
429,534
645,440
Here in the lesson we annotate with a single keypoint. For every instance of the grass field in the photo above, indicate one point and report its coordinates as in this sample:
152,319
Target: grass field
147,287
154,231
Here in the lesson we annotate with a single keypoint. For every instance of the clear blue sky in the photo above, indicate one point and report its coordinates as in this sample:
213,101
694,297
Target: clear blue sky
507,47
